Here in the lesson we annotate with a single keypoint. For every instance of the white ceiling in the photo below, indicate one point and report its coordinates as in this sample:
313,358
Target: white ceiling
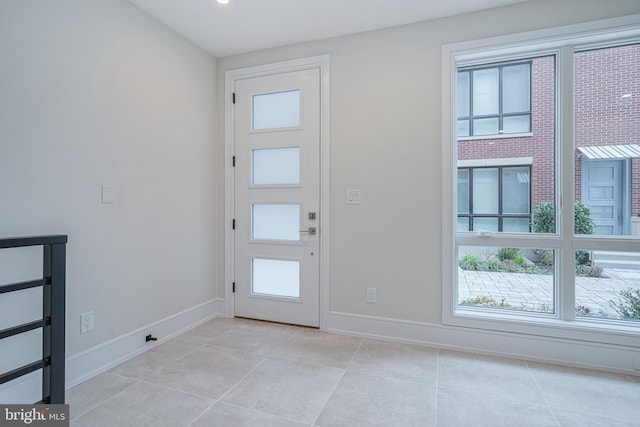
248,25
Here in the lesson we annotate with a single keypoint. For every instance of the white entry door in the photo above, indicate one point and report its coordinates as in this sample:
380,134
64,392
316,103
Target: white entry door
277,197
602,194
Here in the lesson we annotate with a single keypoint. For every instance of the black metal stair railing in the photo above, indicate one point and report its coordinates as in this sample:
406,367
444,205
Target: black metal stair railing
52,322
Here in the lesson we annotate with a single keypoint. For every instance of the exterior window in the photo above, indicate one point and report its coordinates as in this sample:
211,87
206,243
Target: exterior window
494,100
494,199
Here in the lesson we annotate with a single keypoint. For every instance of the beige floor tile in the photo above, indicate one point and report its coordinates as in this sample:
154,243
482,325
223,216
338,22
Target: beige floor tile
589,392
395,360
205,333
226,415
208,371
578,419
140,367
145,404
487,375
371,401
458,408
313,346
90,393
292,390
254,336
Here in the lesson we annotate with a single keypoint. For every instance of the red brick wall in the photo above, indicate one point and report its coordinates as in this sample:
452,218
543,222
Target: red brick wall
601,118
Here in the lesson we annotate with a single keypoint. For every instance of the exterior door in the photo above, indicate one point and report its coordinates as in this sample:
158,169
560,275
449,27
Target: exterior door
602,194
277,197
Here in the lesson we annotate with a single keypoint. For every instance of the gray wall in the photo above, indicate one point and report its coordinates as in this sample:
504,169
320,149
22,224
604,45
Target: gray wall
386,140
96,92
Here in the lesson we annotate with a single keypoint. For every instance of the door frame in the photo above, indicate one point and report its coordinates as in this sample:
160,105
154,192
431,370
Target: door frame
321,63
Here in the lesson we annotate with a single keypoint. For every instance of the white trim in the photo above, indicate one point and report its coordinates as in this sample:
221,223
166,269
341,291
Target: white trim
512,161
321,62
89,363
583,354
559,41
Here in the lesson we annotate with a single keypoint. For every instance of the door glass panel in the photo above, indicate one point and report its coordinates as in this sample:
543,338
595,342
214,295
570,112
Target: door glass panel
601,212
601,193
276,110
276,277
608,285
600,173
276,166
518,279
276,222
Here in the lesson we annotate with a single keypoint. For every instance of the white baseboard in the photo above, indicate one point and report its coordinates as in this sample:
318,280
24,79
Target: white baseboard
604,357
89,363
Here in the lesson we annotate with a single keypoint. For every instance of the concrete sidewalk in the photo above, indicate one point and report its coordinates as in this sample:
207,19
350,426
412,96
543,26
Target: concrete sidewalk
534,292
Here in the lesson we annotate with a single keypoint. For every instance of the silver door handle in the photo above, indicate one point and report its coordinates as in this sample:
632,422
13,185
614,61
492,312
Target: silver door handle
311,231
620,216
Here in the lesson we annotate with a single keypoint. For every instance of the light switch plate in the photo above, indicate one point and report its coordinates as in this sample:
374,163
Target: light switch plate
353,197
108,194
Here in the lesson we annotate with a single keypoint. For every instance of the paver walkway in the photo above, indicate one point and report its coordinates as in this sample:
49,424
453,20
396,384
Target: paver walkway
534,292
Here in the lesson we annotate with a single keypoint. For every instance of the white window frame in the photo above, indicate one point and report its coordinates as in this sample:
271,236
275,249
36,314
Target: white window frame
562,42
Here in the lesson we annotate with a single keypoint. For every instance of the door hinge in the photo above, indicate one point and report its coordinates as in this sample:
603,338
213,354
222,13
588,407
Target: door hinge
233,98
233,224
233,287
233,161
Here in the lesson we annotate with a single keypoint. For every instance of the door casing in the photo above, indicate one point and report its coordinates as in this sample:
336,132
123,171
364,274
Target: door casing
317,62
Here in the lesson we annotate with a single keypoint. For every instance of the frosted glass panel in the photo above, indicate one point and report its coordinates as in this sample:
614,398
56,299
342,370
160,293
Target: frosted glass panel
601,211
462,94
276,222
515,88
276,110
601,193
276,277
515,190
485,91
515,225
516,124
485,224
485,191
485,126
276,166
599,173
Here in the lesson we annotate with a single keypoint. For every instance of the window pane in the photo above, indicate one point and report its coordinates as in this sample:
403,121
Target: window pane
606,108
516,124
506,278
608,285
462,94
515,88
463,224
485,126
515,190
276,277
485,91
515,225
485,224
463,190
485,191
276,222
463,128
276,166
276,110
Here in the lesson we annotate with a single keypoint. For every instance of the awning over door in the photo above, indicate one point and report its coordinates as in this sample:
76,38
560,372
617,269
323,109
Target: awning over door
611,151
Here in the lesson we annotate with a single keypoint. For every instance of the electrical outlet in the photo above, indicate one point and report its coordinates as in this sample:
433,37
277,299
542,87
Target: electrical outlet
86,322
636,363
371,295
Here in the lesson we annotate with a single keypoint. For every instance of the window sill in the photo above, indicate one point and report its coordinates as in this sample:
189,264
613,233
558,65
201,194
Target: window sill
498,136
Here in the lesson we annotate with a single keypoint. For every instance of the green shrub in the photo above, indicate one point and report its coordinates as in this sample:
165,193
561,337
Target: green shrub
470,262
545,256
542,221
508,253
628,305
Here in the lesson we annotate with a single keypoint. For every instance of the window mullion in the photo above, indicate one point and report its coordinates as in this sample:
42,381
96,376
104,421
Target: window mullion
565,277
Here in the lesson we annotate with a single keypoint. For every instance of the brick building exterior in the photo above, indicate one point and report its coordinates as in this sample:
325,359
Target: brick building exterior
603,117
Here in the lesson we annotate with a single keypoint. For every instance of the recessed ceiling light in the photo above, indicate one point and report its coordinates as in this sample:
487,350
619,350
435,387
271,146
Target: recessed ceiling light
626,96
223,1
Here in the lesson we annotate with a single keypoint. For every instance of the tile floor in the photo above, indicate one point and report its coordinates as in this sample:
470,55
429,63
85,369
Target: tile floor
236,372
